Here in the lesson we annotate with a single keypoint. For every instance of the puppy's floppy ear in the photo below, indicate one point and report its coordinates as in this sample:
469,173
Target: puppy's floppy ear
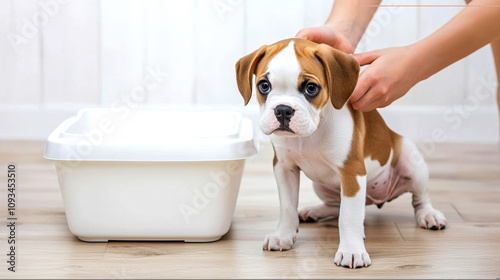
245,68
341,71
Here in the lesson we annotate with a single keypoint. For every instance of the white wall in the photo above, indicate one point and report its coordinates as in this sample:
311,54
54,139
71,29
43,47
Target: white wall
59,56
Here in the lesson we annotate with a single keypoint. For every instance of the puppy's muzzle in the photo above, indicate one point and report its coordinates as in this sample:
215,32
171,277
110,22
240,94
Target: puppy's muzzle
284,115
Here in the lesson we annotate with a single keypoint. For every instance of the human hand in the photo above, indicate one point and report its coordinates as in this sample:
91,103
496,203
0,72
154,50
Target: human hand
326,34
389,76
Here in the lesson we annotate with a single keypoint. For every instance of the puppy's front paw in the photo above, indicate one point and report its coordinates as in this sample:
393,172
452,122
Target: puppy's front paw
352,254
430,218
350,259
279,241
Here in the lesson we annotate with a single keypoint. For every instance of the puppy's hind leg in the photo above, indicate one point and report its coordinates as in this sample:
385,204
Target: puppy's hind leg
329,209
312,214
412,162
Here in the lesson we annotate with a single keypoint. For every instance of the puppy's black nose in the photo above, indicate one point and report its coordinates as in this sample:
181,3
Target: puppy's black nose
284,113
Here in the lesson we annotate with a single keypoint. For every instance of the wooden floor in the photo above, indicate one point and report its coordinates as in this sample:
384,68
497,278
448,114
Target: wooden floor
465,186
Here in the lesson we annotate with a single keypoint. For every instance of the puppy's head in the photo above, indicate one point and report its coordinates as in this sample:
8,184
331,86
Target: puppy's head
295,79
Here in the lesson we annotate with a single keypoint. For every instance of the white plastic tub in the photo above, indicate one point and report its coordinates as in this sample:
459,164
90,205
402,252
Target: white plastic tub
150,175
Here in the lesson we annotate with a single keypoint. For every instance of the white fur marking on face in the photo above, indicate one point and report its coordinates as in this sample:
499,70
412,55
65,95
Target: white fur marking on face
283,72
284,69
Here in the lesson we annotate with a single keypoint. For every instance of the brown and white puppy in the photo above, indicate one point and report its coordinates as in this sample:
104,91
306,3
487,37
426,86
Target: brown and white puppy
352,157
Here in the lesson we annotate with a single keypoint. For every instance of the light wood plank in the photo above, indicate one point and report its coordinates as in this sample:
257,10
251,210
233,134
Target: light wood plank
465,185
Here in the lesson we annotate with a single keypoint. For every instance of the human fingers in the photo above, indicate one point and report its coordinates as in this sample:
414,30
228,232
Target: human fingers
305,33
367,57
311,33
326,34
369,101
379,95
365,82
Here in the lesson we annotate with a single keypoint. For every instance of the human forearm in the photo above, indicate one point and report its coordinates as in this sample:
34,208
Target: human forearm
475,26
345,26
351,18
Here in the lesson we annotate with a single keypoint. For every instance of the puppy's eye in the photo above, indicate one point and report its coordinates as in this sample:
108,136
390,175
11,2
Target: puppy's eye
311,89
264,87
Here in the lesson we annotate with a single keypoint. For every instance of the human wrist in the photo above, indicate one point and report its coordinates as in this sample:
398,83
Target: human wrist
344,31
424,60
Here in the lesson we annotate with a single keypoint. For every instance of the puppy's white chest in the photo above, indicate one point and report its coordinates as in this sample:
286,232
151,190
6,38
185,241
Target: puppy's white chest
310,159
320,170
320,155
